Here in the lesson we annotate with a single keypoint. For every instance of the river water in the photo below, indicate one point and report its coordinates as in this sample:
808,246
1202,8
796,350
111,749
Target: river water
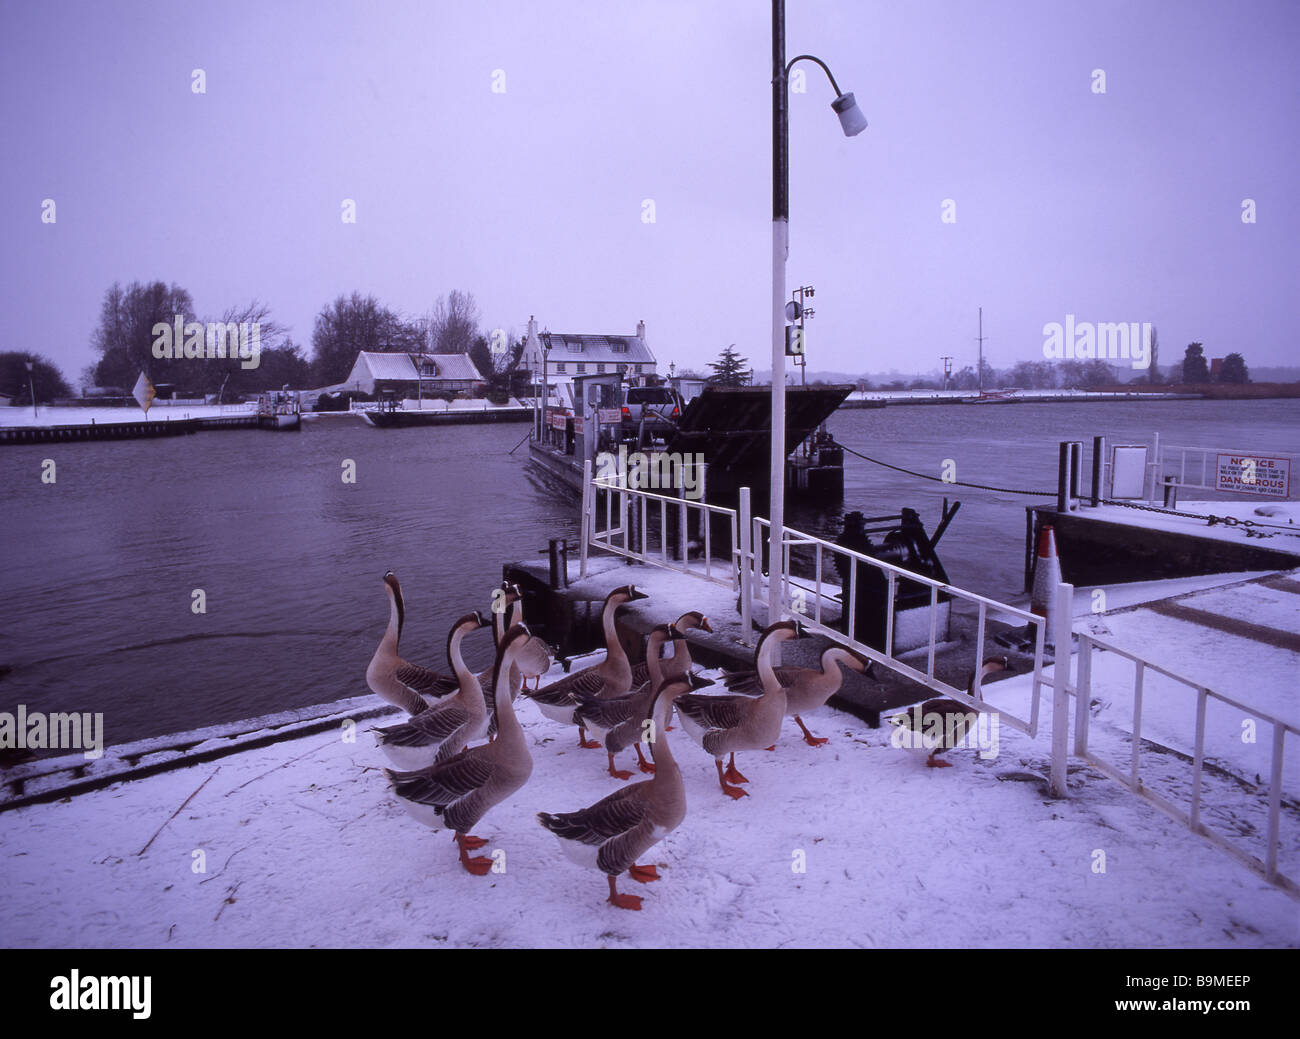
100,568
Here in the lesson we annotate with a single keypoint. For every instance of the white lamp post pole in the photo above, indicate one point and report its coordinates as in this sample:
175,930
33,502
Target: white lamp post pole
853,123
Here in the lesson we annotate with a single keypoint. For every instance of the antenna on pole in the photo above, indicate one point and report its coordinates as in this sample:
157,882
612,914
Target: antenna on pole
981,337
947,370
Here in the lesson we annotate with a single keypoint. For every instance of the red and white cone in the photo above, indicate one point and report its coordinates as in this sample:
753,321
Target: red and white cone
1047,575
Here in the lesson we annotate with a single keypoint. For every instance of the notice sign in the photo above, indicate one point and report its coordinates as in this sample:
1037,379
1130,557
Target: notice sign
608,416
1254,474
558,421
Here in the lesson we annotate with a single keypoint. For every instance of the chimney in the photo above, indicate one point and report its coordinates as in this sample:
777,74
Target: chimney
640,330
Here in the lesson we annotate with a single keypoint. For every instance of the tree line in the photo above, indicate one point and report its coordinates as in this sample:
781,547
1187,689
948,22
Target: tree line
127,342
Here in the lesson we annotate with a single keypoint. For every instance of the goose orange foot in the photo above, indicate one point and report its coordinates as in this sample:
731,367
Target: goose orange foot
644,874
808,737
733,774
617,773
585,743
642,764
936,763
469,842
623,901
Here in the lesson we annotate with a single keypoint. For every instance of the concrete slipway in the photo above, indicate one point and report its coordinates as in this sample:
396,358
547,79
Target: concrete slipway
302,844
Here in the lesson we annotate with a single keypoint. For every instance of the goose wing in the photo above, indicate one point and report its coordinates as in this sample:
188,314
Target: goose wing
563,693
611,816
427,727
425,682
748,682
441,784
606,714
715,712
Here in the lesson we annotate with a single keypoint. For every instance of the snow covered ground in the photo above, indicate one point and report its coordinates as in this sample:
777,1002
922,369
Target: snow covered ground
158,412
303,845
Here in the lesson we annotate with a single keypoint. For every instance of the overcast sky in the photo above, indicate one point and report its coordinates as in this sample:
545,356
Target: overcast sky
1122,206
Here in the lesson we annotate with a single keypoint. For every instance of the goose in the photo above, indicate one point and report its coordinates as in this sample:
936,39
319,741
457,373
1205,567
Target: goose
449,726
680,661
806,688
533,660
617,830
391,677
618,719
611,677
458,792
726,724
950,718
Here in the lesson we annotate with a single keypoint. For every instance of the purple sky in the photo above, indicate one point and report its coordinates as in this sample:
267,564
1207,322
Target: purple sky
1117,207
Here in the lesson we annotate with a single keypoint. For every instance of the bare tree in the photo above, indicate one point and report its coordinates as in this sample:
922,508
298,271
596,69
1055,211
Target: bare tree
453,323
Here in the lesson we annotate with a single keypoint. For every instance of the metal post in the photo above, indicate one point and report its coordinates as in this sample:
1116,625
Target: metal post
1157,471
780,250
747,570
1082,696
1098,469
1171,491
586,522
1060,682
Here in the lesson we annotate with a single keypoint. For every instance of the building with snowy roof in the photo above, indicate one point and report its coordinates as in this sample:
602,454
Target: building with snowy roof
375,372
566,354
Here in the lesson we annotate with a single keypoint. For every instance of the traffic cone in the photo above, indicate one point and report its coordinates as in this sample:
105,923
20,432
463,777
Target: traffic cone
1047,575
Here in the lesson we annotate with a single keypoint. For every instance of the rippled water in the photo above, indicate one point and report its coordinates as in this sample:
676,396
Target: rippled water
99,568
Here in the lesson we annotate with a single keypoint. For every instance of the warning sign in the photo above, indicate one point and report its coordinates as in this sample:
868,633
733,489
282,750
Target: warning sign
1254,474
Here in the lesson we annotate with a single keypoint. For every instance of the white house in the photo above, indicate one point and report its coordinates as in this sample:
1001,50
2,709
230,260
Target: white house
374,372
567,354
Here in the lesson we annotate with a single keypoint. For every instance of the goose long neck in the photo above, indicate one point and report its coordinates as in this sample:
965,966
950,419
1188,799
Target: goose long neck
508,727
653,660
666,769
764,664
393,634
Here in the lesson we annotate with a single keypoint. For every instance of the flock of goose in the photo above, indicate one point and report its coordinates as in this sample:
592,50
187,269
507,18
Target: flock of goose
445,782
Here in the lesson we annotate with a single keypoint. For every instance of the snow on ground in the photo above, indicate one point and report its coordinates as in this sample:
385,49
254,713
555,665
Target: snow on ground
305,846
1279,526
158,412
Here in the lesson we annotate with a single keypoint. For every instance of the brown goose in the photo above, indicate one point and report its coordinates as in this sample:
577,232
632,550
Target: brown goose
726,724
397,681
680,661
947,721
533,660
617,830
448,726
617,719
458,792
611,677
806,688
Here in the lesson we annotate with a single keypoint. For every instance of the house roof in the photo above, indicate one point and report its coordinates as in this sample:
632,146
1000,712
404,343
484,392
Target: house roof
616,349
401,366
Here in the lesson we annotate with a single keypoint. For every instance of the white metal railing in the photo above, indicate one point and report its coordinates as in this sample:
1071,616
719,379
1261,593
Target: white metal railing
1131,777
1204,469
821,592
622,504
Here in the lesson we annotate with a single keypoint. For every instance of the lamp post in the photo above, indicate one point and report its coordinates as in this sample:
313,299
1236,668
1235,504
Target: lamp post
853,123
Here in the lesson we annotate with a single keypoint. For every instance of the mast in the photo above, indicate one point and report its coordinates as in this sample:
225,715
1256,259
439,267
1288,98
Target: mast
981,362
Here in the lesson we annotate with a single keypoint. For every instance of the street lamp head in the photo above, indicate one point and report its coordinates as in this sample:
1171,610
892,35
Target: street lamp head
852,121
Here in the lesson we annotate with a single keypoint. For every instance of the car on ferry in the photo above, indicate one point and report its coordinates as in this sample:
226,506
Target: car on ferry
650,412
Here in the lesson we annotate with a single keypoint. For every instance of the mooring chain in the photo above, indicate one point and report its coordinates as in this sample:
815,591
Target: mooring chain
1227,521
939,479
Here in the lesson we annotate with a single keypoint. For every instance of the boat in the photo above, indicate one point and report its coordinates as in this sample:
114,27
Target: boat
279,410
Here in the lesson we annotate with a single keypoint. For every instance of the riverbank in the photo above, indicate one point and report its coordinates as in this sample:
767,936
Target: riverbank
1209,391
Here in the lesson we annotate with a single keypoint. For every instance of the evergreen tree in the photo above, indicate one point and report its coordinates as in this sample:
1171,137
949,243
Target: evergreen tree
730,369
1234,369
1195,370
